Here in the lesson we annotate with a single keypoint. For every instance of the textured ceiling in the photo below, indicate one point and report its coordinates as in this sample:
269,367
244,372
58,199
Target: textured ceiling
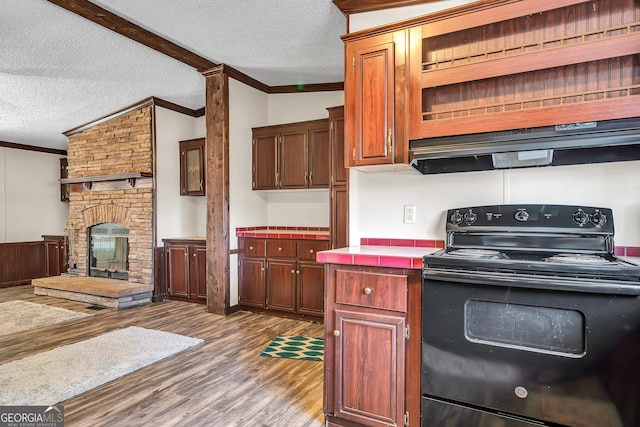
59,71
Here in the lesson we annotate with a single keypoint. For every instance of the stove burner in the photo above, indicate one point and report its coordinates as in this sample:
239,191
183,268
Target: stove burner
578,259
477,253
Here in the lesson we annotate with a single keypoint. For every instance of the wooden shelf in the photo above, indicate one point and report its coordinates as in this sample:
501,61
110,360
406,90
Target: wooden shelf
524,64
131,177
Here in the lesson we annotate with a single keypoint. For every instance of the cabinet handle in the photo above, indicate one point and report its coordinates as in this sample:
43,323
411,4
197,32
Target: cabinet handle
250,248
293,271
297,271
262,269
194,255
336,332
367,291
389,139
279,249
310,251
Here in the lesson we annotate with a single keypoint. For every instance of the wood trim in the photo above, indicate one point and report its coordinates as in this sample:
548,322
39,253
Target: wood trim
237,75
357,6
140,104
460,13
177,108
138,34
32,148
316,87
134,32
217,184
200,112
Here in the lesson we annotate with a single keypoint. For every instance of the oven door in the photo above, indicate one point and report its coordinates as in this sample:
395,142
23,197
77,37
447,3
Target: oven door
564,357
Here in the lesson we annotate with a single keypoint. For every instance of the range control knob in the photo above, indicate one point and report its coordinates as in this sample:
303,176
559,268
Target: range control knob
598,218
470,217
580,217
456,218
522,215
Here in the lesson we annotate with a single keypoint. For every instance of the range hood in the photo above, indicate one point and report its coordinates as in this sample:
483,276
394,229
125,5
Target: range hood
567,144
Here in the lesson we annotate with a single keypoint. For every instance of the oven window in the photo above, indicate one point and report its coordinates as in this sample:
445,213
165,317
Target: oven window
532,328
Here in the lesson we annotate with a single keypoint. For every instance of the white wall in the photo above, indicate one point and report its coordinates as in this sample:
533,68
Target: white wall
177,216
30,203
300,207
378,198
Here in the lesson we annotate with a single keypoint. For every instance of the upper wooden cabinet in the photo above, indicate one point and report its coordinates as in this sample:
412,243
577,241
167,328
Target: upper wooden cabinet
192,168
513,64
291,156
376,95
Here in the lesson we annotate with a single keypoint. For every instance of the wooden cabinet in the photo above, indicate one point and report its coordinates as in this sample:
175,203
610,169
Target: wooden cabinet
376,89
339,188
291,156
372,347
510,65
55,255
186,274
192,167
281,276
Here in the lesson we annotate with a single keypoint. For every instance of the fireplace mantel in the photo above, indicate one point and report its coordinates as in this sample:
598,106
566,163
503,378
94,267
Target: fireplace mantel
88,180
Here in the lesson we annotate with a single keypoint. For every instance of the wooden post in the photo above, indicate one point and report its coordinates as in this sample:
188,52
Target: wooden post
217,179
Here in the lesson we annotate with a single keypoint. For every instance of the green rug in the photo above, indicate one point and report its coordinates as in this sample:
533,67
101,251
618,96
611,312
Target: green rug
302,348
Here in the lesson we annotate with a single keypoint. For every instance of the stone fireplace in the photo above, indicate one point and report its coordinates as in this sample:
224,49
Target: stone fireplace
110,171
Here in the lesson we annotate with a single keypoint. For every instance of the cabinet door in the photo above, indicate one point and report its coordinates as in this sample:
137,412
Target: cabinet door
292,162
339,171
251,282
339,217
369,85
178,270
198,276
369,355
192,169
281,285
319,157
264,159
310,288
53,257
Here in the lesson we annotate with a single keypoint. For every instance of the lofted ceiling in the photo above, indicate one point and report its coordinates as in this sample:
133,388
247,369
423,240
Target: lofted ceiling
59,70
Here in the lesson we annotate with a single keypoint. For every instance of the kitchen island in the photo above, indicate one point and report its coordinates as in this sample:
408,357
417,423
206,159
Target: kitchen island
372,332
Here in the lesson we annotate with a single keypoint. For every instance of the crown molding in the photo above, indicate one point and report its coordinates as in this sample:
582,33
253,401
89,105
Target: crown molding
26,147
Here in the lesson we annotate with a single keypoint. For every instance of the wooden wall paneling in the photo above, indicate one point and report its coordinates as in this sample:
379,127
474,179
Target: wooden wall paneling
217,178
20,262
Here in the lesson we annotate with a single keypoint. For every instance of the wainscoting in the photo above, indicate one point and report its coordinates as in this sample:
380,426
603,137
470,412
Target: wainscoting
20,262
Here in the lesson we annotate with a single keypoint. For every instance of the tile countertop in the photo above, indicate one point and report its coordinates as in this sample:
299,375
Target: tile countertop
406,253
399,253
284,232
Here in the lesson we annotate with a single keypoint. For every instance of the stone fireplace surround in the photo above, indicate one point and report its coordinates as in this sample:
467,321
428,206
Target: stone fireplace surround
102,154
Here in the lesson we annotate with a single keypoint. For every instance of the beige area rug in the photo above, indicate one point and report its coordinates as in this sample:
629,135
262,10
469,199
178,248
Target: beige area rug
19,316
54,376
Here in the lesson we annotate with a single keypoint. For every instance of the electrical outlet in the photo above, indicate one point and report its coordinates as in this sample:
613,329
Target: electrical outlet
409,214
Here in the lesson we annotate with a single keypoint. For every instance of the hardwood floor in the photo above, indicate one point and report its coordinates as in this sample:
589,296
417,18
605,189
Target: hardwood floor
222,382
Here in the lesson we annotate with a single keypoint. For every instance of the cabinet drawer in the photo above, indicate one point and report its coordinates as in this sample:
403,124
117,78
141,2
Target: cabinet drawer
281,248
253,247
307,248
375,290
